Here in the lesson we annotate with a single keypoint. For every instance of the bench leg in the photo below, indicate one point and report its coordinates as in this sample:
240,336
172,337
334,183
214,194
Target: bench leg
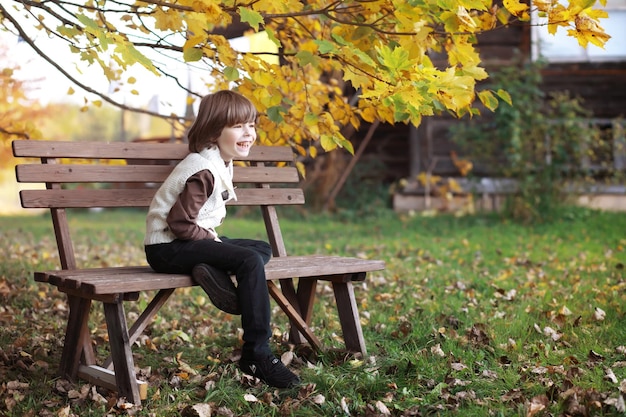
349,317
289,292
77,341
121,352
306,300
293,314
144,320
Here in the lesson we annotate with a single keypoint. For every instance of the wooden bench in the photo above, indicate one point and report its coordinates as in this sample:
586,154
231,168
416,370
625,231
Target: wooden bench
81,175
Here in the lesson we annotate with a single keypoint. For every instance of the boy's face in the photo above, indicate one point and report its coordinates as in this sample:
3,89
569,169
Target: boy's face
235,141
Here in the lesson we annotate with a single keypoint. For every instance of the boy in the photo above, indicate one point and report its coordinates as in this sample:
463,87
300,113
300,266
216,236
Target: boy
181,222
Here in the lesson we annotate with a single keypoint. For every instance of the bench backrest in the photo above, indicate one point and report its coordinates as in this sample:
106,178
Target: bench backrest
117,174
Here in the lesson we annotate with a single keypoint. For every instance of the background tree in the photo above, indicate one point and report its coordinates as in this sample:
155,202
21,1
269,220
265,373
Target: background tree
17,112
380,49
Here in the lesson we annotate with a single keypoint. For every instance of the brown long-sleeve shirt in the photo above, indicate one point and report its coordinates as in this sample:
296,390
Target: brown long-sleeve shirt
182,216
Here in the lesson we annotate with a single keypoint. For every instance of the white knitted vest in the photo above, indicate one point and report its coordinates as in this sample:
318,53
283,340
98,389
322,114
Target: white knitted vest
212,212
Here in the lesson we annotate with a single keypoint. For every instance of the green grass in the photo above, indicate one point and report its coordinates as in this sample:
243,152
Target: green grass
472,316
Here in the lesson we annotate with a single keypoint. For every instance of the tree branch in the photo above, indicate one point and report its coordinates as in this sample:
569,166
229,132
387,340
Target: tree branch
76,82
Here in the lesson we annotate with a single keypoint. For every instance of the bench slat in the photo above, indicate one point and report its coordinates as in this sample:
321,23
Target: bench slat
73,173
132,150
100,281
141,197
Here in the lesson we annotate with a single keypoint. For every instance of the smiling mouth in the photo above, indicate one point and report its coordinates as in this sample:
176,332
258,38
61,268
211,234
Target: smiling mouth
244,145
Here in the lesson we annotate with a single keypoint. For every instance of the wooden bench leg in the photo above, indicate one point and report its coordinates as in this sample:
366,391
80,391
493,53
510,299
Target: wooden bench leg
294,315
121,352
306,300
349,317
77,341
288,290
144,320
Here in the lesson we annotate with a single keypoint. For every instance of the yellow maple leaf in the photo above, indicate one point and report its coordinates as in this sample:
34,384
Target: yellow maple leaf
517,9
588,30
543,5
464,17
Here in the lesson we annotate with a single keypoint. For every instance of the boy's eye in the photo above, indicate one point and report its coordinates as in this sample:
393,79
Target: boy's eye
241,125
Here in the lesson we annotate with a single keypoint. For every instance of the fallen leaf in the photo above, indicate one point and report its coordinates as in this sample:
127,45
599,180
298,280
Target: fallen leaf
598,314
437,351
17,385
618,403
197,410
537,404
287,357
64,412
319,399
344,406
609,375
456,366
382,408
250,398
595,356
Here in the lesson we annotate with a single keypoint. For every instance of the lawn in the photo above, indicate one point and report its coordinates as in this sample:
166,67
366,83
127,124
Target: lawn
472,316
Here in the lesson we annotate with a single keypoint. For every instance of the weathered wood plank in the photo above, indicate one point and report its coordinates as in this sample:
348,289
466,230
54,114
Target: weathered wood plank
349,317
75,173
103,377
76,331
132,279
126,150
121,352
141,197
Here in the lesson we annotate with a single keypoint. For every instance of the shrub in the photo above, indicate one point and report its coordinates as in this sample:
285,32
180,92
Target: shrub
539,141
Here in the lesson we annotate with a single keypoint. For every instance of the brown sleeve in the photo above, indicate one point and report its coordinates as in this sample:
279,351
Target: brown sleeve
183,214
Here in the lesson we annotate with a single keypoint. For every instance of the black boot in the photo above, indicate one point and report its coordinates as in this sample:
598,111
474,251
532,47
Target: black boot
218,286
271,371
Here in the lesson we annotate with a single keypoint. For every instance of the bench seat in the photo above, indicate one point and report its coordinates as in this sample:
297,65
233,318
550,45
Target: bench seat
101,281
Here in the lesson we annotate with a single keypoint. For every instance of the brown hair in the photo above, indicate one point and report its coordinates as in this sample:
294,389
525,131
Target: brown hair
217,111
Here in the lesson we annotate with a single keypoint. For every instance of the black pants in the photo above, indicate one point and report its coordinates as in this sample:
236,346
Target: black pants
245,258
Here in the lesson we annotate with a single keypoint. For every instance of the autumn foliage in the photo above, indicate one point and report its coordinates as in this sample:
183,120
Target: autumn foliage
403,59
18,114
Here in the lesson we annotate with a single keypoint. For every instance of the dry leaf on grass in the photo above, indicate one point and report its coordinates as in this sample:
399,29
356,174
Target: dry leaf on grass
197,410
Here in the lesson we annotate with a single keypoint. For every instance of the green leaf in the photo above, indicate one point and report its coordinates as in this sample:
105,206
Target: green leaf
88,22
339,39
311,119
325,47
331,142
328,143
488,99
231,73
364,57
394,59
91,26
306,57
192,54
504,95
450,21
274,113
251,17
131,55
346,144
272,37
